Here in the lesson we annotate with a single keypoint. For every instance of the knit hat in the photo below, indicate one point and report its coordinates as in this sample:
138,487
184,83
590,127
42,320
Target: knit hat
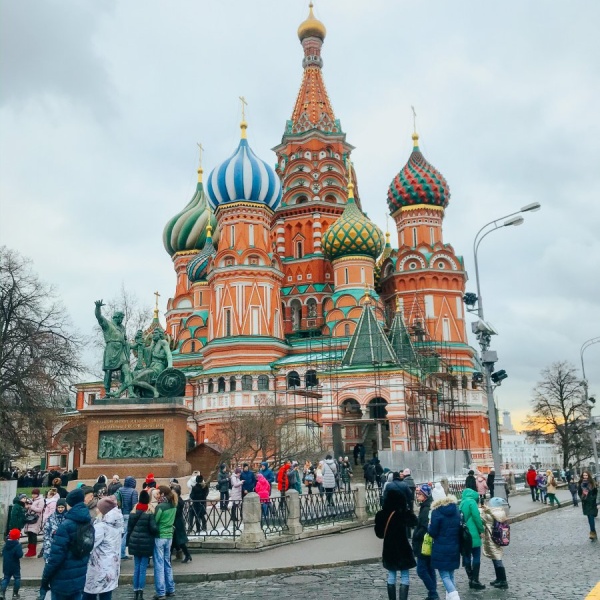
237,471
406,472
425,489
471,472
106,504
14,534
86,489
144,497
22,497
75,497
150,478
497,502
438,492
61,502
35,491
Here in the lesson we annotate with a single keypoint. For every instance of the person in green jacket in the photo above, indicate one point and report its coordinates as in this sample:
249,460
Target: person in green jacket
17,512
164,516
470,511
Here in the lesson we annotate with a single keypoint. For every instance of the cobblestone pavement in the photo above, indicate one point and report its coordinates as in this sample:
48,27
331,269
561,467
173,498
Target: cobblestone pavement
550,557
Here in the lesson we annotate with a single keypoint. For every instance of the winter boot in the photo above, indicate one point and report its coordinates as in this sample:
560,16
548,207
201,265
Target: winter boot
391,588
31,551
593,536
453,595
136,594
475,584
403,592
469,571
16,596
2,594
502,583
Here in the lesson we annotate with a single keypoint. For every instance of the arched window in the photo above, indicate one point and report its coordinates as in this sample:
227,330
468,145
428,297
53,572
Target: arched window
377,408
211,386
293,380
310,379
232,384
351,408
311,305
263,382
191,441
246,382
299,249
221,384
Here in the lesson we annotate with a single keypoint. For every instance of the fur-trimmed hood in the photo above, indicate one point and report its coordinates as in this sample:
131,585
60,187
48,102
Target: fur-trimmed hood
450,499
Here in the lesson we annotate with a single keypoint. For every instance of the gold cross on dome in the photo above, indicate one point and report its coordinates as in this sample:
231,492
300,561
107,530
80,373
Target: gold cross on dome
201,150
157,295
349,169
244,104
414,119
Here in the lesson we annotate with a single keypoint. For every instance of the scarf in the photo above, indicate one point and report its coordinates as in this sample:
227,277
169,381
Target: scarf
142,507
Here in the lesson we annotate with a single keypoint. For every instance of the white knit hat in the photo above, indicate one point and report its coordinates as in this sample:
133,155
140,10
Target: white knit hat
438,492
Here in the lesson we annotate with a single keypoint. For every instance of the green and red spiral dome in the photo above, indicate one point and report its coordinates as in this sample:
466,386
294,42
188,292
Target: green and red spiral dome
418,183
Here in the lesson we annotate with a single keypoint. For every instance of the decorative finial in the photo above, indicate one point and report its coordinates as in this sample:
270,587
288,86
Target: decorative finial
157,295
209,230
367,296
243,124
387,238
200,170
350,183
398,305
415,135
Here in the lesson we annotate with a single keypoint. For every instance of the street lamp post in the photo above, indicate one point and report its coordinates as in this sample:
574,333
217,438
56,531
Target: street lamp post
584,347
484,333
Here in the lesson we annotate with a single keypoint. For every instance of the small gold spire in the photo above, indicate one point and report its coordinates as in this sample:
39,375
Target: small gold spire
387,238
398,304
200,170
157,295
243,124
350,183
415,135
209,230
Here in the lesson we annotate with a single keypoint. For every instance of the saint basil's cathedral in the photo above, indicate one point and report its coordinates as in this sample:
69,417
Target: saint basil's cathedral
287,293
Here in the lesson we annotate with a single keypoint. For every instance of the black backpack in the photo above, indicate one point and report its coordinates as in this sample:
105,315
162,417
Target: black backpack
83,543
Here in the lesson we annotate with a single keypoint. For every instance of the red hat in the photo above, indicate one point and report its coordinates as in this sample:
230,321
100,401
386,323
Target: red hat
14,534
150,477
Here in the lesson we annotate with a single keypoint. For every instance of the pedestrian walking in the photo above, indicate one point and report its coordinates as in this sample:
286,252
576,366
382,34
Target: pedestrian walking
141,531
551,488
572,485
223,486
392,523
197,514
492,513
362,451
355,453
165,518
531,478
588,493
345,474
235,494
329,472
491,481
542,485
12,553
482,488
308,476
319,478
294,478
445,553
470,481
180,538
33,522
424,569
104,566
263,489
472,518
408,480
369,474
52,524
283,484
127,498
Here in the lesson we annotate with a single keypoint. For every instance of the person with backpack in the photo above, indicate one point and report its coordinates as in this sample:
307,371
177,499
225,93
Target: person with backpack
141,531
588,493
12,553
472,518
392,524
165,513
444,528
104,566
496,536
424,569
127,498
223,486
551,488
66,567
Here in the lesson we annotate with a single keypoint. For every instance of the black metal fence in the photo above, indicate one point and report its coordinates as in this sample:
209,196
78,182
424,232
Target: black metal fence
327,508
373,500
273,516
212,518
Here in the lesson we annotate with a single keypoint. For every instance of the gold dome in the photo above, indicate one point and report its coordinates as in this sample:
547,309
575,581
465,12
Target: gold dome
312,27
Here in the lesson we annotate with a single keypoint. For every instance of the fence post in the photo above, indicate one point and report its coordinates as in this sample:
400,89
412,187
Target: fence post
361,502
292,499
252,535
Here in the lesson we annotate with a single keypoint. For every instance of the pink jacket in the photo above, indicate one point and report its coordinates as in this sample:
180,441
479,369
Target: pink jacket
481,484
263,488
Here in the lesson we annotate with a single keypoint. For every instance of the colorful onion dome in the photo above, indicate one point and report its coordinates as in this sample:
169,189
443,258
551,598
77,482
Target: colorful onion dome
312,27
187,229
353,234
243,177
418,183
197,267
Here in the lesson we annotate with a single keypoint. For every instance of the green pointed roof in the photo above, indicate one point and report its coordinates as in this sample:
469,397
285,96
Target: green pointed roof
369,344
401,342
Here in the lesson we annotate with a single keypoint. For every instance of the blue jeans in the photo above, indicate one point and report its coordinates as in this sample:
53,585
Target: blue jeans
57,596
124,538
140,566
163,572
6,581
591,522
427,575
447,578
404,577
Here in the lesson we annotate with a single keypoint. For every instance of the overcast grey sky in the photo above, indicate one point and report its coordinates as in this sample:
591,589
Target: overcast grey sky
103,103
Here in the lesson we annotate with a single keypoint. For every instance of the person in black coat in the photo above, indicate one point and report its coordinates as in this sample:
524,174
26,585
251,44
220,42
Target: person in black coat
198,495
425,570
17,512
141,532
490,482
12,553
391,525
180,538
470,481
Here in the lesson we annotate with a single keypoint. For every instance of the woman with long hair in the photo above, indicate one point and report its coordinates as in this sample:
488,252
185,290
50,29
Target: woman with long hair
588,492
141,531
164,515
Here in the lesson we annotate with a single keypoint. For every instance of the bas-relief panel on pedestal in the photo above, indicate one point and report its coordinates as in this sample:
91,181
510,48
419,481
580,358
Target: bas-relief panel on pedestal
147,443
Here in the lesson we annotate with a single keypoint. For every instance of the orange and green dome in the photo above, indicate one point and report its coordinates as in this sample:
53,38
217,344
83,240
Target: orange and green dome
353,234
187,229
418,183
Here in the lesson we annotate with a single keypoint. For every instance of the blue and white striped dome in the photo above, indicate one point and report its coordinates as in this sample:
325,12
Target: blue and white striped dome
243,177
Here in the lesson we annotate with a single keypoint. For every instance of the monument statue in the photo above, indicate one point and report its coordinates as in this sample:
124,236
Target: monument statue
116,352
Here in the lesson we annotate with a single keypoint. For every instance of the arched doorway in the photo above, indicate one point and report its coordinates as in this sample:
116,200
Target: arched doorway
379,432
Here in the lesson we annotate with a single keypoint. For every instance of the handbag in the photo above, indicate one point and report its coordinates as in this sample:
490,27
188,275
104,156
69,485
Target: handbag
31,518
427,546
388,522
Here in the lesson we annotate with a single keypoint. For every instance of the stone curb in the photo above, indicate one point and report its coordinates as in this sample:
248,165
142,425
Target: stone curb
127,578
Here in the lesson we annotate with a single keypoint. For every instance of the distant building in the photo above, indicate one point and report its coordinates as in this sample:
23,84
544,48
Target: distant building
518,453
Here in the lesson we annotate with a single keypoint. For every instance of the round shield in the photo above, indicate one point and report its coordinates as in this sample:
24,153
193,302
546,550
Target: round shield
171,383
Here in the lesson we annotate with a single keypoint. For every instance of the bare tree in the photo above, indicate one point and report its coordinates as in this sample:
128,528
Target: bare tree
560,412
39,356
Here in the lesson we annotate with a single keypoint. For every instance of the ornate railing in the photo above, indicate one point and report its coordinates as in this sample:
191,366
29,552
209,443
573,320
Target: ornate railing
273,516
456,488
373,500
211,518
327,508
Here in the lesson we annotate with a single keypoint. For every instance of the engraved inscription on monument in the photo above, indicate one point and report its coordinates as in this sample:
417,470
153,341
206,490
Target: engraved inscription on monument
148,443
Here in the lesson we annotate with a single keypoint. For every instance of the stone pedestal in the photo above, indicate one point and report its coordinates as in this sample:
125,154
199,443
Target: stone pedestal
136,436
